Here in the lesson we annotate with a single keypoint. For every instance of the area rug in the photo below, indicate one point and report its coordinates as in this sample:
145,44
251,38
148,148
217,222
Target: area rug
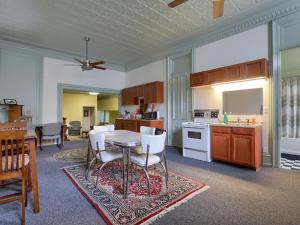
76,155
139,208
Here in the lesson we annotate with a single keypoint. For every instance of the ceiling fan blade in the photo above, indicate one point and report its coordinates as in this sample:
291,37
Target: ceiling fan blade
78,60
218,8
175,3
97,63
99,67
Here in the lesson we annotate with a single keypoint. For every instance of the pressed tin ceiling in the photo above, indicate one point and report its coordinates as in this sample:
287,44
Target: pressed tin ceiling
122,32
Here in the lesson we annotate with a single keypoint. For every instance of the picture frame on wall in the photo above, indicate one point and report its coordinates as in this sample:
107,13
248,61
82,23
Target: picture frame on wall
10,101
85,113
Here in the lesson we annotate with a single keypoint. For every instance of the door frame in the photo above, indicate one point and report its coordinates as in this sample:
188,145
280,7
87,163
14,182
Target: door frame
170,68
61,87
278,44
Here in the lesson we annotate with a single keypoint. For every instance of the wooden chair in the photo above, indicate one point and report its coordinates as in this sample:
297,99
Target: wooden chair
14,164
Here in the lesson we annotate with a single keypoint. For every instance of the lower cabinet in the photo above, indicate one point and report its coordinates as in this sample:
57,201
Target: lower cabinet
134,125
221,146
240,146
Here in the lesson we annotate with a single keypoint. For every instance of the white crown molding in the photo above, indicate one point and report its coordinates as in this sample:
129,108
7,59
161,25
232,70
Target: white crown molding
225,29
14,44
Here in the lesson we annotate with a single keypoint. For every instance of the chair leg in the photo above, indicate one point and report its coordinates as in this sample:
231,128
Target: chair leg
148,180
58,144
89,168
23,198
26,184
99,171
29,184
166,174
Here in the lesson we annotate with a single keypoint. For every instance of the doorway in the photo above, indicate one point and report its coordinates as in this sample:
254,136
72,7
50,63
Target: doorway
179,96
285,91
88,119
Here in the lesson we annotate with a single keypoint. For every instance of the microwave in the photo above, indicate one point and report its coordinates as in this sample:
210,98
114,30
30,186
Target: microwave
150,116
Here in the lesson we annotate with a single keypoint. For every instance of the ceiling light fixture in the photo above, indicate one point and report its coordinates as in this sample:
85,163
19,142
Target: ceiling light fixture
93,93
240,85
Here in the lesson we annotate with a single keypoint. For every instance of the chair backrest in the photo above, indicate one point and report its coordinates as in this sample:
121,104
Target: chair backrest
20,125
11,142
155,142
75,123
96,136
51,129
147,130
104,128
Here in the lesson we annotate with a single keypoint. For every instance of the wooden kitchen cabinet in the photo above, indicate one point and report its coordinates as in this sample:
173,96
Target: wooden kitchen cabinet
153,123
119,124
221,146
151,92
242,71
242,149
134,125
237,145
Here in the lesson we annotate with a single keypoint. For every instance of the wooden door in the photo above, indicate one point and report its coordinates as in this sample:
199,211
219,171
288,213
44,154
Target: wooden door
220,146
119,124
243,149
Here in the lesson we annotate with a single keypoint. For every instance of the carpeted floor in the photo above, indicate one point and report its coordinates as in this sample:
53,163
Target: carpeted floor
236,195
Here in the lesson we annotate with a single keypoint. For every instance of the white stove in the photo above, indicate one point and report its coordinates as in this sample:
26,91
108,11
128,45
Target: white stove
196,135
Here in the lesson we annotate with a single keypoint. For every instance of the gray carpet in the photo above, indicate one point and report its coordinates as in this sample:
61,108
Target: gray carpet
236,196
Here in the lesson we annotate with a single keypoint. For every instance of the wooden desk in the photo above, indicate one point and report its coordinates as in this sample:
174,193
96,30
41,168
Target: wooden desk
31,140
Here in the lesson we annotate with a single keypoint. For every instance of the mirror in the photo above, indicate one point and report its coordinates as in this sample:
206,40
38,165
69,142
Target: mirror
243,102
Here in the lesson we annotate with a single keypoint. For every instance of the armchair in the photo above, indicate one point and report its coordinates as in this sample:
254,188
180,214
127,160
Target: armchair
74,128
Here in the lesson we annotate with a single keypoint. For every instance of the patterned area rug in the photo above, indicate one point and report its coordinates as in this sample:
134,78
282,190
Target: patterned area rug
76,155
139,208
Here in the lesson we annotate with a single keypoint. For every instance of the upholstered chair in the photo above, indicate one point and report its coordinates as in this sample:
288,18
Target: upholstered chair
144,130
51,131
74,128
104,128
153,152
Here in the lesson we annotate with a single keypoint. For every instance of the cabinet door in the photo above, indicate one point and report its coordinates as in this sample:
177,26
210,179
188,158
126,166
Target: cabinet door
124,97
198,79
257,68
215,76
148,93
119,124
220,146
232,73
243,149
158,92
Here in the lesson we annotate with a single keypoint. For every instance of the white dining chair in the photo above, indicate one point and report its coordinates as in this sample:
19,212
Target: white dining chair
144,130
152,146
98,149
104,128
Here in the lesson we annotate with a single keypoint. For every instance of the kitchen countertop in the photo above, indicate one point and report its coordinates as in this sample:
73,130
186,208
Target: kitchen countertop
242,125
141,119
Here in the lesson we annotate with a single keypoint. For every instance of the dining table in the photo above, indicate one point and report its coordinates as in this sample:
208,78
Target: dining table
31,139
126,140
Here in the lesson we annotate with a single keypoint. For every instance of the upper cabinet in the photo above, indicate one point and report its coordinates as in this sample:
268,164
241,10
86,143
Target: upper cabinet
242,71
151,92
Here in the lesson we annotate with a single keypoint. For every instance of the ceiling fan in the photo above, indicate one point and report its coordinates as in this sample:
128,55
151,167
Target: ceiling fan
87,64
217,4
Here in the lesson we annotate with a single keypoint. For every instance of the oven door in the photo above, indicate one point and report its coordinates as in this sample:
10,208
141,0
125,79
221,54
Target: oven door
195,138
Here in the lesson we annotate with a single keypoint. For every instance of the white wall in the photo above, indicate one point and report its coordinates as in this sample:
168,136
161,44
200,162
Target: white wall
20,73
152,72
242,47
55,72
